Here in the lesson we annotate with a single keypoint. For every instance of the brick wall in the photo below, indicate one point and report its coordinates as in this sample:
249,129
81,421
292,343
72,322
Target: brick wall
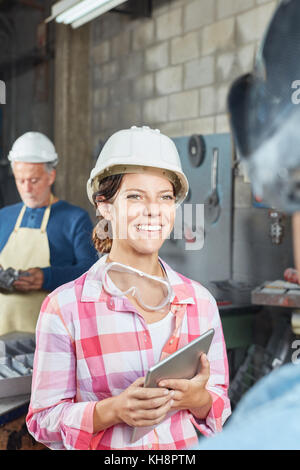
172,71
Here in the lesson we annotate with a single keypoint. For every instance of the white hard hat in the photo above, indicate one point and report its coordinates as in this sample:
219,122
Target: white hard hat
33,147
136,150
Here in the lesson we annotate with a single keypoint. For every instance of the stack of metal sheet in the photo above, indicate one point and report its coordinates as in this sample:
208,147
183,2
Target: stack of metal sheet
16,364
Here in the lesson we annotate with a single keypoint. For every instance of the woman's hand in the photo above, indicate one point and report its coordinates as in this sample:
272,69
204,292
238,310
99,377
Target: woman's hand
139,406
191,394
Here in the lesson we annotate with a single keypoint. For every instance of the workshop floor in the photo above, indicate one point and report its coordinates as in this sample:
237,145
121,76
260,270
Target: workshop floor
14,436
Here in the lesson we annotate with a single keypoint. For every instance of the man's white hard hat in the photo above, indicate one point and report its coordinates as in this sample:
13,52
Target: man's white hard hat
139,150
33,147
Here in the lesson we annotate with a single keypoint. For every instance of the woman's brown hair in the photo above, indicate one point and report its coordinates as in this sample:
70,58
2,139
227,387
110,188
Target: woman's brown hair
102,233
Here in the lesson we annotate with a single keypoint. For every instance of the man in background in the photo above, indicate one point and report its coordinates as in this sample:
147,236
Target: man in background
48,240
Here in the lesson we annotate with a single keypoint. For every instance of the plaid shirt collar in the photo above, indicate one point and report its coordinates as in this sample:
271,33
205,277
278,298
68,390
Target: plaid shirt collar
93,292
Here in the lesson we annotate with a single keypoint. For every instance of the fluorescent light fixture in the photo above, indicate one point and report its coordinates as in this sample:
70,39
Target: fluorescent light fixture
79,12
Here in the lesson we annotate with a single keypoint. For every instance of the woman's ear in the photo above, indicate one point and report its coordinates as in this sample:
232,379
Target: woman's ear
104,209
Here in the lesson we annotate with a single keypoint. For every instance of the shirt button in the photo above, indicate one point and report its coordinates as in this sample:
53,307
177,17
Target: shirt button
172,341
149,445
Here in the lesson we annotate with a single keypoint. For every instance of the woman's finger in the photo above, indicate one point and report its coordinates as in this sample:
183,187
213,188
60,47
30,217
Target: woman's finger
151,417
138,382
142,393
205,370
175,384
154,403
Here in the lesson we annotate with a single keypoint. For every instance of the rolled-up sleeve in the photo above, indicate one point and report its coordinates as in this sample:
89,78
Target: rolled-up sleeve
54,417
218,382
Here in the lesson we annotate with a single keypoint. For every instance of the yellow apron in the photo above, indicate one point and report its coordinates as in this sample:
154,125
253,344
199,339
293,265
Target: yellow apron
26,248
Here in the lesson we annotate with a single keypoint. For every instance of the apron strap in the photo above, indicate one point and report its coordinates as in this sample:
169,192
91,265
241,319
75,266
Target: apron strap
19,219
45,217
45,220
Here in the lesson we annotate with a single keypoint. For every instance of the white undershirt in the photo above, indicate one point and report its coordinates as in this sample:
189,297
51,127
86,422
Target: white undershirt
160,332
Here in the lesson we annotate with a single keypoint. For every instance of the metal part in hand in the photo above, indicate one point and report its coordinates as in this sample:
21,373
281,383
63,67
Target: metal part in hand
8,277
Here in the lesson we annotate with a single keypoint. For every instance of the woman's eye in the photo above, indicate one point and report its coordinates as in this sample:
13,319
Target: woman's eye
133,196
137,196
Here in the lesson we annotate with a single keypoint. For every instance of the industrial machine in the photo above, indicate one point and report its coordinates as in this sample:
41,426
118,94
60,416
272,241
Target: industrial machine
231,242
223,237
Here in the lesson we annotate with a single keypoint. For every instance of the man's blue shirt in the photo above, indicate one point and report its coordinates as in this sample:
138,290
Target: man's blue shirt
69,233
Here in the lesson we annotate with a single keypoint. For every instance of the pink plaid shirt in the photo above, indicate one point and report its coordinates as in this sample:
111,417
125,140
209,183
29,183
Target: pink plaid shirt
91,346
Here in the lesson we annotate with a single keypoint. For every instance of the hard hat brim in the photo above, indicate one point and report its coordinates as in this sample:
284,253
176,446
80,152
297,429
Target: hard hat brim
31,159
178,179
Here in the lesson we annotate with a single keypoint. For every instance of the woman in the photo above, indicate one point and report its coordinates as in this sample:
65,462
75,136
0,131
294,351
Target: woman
94,346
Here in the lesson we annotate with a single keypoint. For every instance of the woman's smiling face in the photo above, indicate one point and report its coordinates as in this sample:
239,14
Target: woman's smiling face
143,211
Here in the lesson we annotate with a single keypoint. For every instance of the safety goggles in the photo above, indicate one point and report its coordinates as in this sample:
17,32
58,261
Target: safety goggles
151,292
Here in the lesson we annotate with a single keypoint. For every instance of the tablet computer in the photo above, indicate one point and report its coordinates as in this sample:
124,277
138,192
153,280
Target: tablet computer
183,364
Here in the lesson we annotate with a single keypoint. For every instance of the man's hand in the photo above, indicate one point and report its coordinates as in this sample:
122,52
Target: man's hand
33,281
191,394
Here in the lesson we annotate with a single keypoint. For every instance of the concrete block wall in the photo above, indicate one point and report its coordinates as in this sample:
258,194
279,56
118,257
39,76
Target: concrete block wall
173,70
